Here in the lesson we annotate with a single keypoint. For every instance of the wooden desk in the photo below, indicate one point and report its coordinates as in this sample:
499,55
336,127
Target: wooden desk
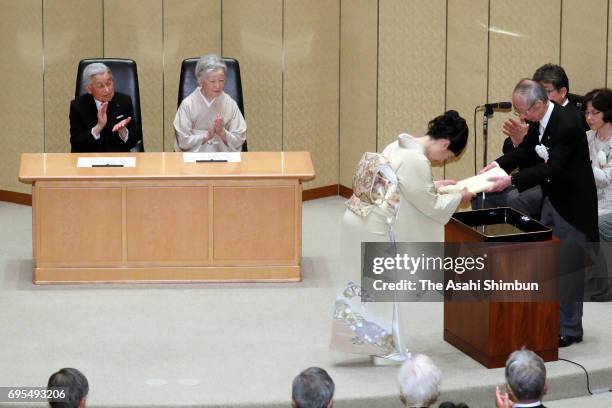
166,220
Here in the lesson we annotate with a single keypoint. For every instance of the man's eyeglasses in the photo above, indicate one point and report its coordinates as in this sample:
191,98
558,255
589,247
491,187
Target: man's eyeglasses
516,112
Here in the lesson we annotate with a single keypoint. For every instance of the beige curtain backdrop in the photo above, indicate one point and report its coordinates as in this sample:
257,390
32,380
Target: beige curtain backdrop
334,77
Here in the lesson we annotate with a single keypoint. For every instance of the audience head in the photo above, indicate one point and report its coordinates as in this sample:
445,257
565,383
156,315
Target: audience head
419,379
448,404
526,376
530,100
449,133
598,107
75,385
313,388
554,81
210,72
98,81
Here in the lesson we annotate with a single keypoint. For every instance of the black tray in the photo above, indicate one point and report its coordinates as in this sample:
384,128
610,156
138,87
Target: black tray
503,224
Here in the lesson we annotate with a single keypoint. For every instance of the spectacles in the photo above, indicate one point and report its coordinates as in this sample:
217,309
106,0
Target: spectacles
516,112
591,113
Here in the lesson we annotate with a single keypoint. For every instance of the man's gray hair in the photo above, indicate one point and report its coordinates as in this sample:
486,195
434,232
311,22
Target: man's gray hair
92,69
526,375
209,63
419,381
312,388
531,91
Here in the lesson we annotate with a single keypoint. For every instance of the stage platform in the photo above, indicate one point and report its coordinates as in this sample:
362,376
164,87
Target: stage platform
239,345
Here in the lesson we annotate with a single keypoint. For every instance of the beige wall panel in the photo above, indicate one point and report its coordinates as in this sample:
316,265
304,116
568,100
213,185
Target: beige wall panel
411,70
524,35
311,84
192,28
358,74
133,29
466,73
69,38
21,108
253,34
583,43
609,81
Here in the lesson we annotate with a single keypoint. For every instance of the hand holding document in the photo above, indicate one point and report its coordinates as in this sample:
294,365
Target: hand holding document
475,184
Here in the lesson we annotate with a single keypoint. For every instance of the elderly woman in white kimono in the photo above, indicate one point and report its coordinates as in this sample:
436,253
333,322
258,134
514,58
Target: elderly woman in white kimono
209,120
418,212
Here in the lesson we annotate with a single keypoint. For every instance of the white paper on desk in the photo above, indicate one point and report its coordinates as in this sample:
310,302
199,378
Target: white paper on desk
230,157
106,161
475,184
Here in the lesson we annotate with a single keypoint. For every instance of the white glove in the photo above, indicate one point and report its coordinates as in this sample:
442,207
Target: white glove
602,161
542,151
601,178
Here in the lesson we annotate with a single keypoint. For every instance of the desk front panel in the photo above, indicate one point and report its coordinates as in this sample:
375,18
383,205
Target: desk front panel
167,230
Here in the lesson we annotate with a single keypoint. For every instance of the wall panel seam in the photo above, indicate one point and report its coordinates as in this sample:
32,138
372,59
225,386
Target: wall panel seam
339,84
561,33
42,27
377,68
607,46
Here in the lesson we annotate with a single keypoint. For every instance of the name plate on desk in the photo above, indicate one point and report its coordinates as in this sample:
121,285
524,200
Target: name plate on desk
217,157
106,162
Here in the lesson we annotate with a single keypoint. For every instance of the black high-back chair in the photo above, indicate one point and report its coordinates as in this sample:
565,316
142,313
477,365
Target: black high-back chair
233,84
125,76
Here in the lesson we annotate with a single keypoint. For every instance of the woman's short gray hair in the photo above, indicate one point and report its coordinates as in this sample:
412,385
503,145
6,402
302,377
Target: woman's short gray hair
419,380
92,69
531,91
209,63
526,375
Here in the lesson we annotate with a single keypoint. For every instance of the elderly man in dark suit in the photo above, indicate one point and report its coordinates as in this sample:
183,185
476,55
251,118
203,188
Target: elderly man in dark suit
525,379
555,82
557,145
101,119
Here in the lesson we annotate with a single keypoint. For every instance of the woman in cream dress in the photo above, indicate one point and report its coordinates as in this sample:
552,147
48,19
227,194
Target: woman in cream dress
598,114
422,214
423,211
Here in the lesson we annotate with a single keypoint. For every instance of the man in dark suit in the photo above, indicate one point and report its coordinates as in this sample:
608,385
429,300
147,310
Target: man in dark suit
556,142
556,84
101,119
525,380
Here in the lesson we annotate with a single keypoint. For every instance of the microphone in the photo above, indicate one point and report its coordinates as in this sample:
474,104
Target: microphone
497,105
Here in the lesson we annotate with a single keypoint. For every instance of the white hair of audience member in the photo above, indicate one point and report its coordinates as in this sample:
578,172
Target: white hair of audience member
526,375
95,68
209,63
531,91
419,381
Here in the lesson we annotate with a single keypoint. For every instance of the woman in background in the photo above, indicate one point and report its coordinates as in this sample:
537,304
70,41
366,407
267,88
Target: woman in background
598,114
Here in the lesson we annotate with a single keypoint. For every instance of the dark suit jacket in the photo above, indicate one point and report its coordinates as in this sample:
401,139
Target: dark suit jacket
574,109
567,178
83,117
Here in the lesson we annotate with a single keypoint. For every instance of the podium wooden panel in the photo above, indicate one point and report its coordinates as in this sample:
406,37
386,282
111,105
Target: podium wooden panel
166,220
489,331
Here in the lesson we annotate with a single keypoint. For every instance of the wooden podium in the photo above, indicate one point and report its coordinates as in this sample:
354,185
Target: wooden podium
167,220
488,331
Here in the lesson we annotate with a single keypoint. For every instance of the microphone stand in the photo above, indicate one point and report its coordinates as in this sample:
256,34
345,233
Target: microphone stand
488,111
